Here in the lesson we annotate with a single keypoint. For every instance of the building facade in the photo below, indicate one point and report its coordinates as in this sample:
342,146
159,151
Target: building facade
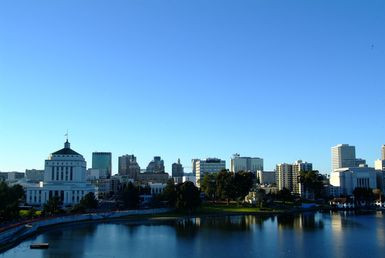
347,179
34,175
102,161
209,165
246,164
64,177
383,152
156,165
146,178
128,166
283,175
298,167
343,156
266,177
177,172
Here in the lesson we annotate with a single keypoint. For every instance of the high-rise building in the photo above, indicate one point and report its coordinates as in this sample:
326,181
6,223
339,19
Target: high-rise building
155,166
128,166
299,167
246,164
209,165
284,178
194,166
343,156
102,161
177,170
383,152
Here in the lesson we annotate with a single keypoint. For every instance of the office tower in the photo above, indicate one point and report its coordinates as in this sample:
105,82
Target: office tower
102,161
155,166
177,169
128,166
246,164
343,156
209,165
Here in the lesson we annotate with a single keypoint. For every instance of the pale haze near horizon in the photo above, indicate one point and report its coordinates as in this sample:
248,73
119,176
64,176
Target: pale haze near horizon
191,79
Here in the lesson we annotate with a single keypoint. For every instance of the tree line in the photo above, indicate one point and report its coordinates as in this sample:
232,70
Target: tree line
227,185
184,196
9,201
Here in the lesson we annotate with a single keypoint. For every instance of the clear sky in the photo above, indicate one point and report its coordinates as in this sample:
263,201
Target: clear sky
277,79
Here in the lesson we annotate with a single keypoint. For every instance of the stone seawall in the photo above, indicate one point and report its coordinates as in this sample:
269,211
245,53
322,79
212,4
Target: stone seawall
18,233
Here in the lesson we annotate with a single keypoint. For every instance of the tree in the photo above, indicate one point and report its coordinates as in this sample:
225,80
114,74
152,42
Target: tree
362,194
312,183
169,193
284,195
260,196
243,181
52,206
188,197
130,196
225,185
208,185
9,200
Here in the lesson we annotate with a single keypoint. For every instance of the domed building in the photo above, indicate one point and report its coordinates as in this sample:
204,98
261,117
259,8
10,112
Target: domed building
64,176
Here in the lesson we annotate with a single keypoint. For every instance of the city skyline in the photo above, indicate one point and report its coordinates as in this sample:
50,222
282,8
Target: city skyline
188,164
279,80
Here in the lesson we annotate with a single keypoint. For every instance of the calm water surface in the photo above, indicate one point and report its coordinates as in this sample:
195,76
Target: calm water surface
304,235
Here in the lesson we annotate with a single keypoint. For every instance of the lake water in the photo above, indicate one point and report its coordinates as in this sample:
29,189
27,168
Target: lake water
312,235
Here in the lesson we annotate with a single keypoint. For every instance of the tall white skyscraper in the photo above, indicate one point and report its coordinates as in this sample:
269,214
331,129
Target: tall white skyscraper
343,156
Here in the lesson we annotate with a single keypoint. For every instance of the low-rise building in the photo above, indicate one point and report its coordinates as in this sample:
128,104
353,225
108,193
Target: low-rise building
34,175
146,178
266,177
347,179
156,188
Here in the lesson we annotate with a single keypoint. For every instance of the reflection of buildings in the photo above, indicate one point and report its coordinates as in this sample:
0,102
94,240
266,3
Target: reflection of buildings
64,176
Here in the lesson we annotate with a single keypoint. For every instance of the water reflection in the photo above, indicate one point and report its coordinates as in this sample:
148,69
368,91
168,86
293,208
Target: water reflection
291,235
62,244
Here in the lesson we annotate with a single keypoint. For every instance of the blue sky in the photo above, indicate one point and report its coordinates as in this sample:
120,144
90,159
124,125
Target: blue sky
282,80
